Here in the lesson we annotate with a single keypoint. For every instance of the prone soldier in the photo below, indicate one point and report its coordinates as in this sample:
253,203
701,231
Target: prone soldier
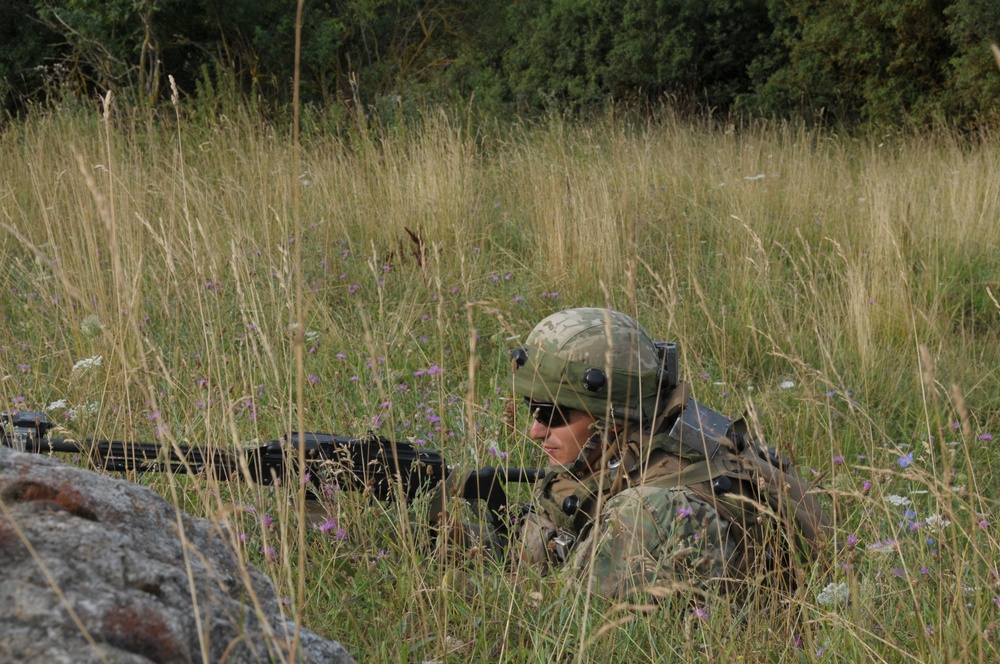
646,489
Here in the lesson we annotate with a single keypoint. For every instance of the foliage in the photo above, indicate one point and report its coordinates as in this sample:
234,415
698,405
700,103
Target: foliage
887,61
25,68
973,97
571,52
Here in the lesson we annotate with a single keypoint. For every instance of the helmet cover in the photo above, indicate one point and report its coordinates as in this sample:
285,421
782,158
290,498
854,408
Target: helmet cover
595,360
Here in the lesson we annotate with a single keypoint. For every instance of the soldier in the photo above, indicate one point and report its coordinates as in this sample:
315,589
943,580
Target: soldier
645,489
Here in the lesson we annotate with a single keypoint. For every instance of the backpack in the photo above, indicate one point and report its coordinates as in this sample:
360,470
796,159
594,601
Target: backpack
757,490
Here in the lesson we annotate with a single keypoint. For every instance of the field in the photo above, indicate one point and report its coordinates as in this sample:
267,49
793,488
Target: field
199,280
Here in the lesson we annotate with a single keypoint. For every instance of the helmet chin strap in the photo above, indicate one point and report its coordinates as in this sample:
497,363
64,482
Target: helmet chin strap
595,453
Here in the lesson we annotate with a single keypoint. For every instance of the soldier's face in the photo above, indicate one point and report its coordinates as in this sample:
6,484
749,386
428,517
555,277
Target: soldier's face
562,444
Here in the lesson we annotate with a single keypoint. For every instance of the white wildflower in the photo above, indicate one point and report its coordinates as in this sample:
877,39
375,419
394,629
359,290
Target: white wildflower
898,501
85,409
886,547
833,594
312,336
57,405
936,523
88,363
786,385
90,326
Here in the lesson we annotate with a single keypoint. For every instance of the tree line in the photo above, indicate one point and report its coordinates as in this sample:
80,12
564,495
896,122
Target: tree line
848,61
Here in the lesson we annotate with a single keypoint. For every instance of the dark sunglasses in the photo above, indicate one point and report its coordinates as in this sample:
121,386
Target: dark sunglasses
549,414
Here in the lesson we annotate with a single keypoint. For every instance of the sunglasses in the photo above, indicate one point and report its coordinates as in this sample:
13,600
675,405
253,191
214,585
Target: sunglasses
549,414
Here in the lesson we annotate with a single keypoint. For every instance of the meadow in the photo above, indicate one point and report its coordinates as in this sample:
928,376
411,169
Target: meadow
197,279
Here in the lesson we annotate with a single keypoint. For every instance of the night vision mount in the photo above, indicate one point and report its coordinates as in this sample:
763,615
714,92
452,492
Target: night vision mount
669,364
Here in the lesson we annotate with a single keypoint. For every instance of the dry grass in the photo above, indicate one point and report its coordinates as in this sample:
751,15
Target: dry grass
856,268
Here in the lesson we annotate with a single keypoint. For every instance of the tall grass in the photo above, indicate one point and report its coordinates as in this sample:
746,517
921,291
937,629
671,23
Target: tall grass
845,285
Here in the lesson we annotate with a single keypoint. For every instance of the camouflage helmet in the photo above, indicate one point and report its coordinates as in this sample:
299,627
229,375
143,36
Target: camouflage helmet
595,360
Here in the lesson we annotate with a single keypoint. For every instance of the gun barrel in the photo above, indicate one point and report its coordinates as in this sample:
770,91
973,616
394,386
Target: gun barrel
374,465
123,456
523,475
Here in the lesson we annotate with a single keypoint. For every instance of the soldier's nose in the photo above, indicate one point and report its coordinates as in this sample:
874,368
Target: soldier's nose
537,430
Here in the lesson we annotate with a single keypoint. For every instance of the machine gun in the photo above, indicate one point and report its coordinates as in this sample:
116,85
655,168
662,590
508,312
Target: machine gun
375,465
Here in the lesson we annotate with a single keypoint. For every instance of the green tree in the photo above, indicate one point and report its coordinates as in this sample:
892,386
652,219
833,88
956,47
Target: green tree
578,52
884,61
973,96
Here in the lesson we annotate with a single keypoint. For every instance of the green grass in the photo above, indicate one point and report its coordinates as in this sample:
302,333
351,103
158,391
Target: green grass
860,269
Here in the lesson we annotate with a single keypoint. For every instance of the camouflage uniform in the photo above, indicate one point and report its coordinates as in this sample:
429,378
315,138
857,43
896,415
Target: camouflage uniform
645,538
627,522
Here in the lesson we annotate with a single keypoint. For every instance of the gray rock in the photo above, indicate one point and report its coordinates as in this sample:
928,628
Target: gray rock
96,569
